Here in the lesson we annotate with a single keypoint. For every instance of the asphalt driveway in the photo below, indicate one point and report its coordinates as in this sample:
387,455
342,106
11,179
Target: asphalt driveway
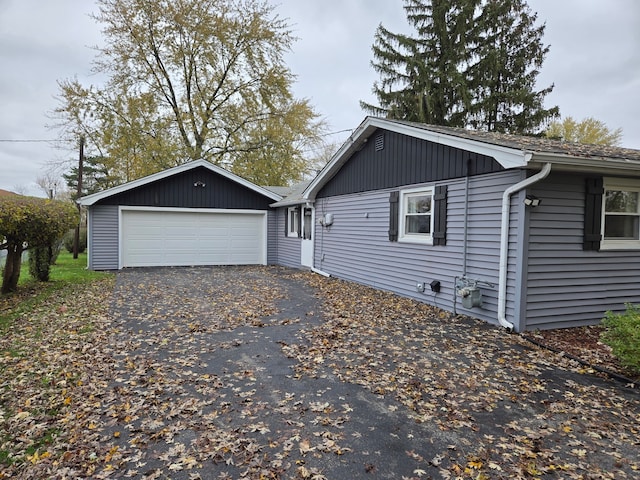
267,372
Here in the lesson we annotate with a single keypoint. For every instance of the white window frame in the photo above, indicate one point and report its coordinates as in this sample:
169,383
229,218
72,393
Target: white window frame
624,185
421,238
293,221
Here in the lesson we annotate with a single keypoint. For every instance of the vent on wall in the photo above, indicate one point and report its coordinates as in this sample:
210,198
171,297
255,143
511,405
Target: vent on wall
379,142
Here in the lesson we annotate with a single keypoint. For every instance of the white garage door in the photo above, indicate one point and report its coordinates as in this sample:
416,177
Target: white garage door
182,238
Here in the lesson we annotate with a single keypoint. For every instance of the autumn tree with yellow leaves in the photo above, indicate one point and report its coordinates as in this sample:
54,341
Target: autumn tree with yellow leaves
588,130
194,79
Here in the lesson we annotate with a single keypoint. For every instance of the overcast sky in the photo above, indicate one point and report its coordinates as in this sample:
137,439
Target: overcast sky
594,63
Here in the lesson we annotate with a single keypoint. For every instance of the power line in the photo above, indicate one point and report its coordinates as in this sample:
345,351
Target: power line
5,140
335,133
40,140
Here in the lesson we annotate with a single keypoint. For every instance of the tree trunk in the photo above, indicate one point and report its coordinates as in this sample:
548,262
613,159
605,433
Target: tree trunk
12,268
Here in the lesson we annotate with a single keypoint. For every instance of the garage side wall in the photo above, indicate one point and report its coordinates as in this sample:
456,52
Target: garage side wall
102,237
272,232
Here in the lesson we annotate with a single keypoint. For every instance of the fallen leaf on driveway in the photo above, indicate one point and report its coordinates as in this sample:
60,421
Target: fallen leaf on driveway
267,372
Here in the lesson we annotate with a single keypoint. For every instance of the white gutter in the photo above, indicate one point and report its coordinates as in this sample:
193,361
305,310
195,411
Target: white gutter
504,240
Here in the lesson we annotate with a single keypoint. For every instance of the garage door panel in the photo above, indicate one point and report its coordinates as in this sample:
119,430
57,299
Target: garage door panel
171,238
243,244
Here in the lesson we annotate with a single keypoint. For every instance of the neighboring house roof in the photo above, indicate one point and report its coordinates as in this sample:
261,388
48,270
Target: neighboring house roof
92,199
6,193
510,151
293,196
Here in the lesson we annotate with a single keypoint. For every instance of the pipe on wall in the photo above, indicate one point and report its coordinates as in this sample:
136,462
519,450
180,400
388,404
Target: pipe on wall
466,220
504,241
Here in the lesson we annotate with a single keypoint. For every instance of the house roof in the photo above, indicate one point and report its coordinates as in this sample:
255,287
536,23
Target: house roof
536,145
282,191
293,196
510,151
5,193
92,199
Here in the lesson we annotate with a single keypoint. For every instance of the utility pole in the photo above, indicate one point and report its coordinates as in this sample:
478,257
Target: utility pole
76,238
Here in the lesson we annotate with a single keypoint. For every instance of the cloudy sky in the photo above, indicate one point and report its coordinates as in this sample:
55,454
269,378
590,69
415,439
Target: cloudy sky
594,63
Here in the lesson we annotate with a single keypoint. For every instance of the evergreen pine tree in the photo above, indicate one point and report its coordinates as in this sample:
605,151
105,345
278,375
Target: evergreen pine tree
422,78
472,63
95,177
507,58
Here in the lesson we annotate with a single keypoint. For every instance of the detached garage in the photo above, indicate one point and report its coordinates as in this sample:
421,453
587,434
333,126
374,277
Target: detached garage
193,214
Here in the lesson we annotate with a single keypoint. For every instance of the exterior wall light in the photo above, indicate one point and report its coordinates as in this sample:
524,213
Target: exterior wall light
199,184
531,201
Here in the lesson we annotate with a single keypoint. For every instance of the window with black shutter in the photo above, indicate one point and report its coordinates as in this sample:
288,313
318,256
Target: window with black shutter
419,215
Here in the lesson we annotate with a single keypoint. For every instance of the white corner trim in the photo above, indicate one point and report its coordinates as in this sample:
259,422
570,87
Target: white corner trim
504,241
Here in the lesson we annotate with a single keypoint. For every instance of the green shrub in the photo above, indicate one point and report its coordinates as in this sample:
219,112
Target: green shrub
39,263
622,334
30,222
82,244
54,251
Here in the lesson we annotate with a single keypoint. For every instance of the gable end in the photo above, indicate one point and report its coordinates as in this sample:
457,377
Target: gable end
195,188
404,160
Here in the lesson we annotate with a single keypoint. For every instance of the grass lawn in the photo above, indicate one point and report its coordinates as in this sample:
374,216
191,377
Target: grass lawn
47,336
66,272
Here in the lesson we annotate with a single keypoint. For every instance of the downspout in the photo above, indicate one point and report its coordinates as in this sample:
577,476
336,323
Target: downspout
320,272
504,241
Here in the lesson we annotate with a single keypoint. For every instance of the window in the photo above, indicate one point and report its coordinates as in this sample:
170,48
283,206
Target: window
621,214
293,222
416,216
307,223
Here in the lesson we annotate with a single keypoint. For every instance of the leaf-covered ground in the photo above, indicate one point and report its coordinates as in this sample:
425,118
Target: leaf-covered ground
265,372
584,343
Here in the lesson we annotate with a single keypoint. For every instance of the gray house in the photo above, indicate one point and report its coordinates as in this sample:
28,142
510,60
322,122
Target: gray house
523,232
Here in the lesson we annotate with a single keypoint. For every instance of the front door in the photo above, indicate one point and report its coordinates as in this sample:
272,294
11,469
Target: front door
306,244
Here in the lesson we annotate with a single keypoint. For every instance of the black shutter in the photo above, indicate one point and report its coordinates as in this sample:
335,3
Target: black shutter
299,210
393,216
593,213
440,215
286,221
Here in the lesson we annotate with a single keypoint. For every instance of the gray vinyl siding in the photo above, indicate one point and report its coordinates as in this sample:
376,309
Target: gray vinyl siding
567,286
288,248
272,232
103,238
356,247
